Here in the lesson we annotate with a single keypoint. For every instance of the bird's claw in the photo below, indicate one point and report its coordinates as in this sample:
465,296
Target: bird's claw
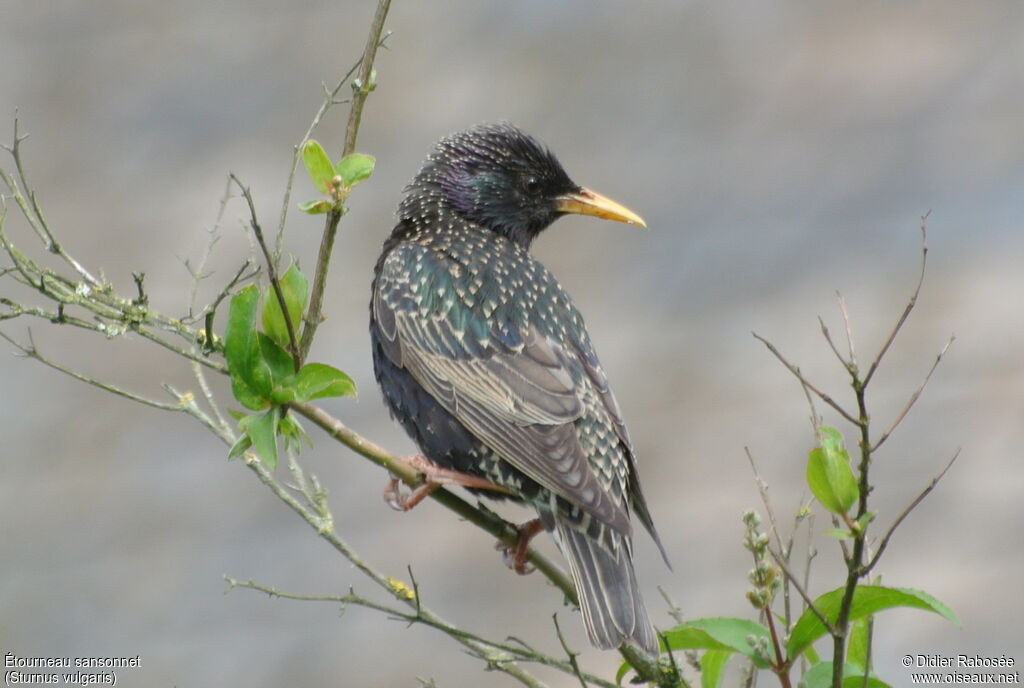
434,476
516,555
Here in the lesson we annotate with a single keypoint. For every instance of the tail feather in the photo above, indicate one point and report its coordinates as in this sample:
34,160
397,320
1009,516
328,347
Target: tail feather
613,610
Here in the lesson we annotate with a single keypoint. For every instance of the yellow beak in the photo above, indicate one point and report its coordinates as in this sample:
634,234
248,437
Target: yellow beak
587,202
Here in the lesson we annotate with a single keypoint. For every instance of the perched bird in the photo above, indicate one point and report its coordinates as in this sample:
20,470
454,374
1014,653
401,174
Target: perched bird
483,358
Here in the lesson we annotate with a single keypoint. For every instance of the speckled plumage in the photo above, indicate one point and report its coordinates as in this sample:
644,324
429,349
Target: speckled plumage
486,362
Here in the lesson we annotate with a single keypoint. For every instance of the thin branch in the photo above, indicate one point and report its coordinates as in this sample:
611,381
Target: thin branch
361,89
214,234
849,330
910,304
866,569
913,397
364,84
485,519
569,653
803,593
30,351
293,344
477,645
762,488
832,345
674,609
804,381
34,214
330,100
779,665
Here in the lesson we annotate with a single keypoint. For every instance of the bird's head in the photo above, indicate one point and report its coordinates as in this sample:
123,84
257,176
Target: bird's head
501,178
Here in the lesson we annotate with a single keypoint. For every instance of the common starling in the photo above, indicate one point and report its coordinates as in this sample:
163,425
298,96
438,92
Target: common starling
485,361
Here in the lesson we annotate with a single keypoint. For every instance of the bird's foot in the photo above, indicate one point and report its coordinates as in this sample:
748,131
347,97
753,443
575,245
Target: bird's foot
515,555
434,476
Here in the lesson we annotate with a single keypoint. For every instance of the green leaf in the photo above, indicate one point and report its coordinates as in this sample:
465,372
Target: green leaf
623,670
318,165
250,381
712,666
857,646
867,600
839,533
295,289
355,168
718,633
278,361
829,474
317,207
820,676
239,447
293,432
316,380
263,433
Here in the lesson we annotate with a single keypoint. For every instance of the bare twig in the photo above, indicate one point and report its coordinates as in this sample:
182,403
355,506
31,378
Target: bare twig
30,351
762,488
804,381
849,330
779,665
866,569
780,562
913,397
674,610
484,648
832,345
569,653
33,213
910,304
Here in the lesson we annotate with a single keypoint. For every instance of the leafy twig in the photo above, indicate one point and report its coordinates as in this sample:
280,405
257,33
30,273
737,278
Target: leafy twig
361,89
275,283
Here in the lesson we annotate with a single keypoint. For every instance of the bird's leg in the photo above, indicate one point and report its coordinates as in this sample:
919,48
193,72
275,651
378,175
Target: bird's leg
434,476
515,554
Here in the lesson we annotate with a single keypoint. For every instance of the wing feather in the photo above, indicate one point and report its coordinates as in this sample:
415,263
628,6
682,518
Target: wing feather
522,402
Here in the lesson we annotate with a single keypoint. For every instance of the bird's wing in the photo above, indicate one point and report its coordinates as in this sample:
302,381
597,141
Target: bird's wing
521,402
598,378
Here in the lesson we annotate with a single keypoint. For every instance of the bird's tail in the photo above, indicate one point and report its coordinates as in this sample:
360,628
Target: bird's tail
613,610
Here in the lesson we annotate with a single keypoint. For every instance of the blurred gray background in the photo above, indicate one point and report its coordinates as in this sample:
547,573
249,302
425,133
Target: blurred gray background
779,152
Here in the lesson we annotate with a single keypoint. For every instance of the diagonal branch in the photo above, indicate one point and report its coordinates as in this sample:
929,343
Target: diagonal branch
910,304
913,397
33,213
804,381
484,519
803,593
866,569
275,282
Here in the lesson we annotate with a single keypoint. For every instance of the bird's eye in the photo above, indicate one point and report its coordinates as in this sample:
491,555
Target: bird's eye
532,184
